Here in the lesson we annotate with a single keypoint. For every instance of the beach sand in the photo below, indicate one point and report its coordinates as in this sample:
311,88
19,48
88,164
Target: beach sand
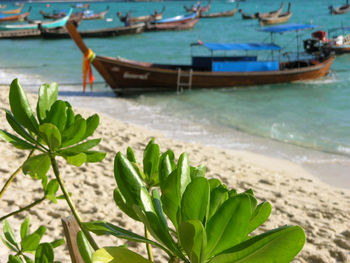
296,196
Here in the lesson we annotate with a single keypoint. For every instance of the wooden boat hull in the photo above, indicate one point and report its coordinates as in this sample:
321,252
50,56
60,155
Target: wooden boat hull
107,32
14,17
127,77
15,11
221,14
340,10
96,16
275,20
172,26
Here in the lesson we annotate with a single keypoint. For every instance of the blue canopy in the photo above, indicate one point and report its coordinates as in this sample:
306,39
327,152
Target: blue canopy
286,28
242,46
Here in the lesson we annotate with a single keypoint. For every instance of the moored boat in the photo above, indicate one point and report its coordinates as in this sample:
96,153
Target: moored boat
129,19
340,10
176,20
198,8
38,24
189,24
282,18
220,14
91,15
13,18
13,11
128,76
261,15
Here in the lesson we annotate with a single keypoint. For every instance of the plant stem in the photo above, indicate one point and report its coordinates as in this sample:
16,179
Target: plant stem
148,246
12,177
23,208
70,203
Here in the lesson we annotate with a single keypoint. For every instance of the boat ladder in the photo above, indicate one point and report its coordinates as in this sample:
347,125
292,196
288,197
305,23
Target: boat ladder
184,79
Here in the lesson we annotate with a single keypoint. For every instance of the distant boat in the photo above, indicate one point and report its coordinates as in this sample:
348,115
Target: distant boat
176,19
138,19
282,18
91,15
38,24
86,14
220,14
340,10
198,8
14,18
262,15
188,24
80,5
14,11
127,76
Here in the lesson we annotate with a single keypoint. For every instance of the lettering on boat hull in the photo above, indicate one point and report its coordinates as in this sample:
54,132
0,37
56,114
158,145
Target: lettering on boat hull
128,75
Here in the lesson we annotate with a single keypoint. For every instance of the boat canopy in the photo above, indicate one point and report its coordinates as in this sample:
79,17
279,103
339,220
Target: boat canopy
286,28
241,46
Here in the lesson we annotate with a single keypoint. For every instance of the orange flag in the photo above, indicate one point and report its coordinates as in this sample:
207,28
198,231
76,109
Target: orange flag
87,59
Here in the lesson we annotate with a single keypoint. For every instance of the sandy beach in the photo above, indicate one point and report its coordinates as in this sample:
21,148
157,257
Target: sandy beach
296,196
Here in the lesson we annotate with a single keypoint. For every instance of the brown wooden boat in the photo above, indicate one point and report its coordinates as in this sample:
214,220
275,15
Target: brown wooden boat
90,15
198,8
15,18
85,15
96,33
219,14
174,26
282,18
248,16
139,19
127,76
272,13
340,10
14,11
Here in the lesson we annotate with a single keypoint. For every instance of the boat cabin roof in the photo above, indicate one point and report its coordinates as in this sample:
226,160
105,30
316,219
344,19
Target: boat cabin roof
240,46
287,28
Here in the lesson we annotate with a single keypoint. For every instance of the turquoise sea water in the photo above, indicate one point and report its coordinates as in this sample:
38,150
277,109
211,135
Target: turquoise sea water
306,122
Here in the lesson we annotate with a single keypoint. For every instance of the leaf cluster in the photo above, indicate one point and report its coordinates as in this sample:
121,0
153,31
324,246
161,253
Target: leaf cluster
208,221
29,244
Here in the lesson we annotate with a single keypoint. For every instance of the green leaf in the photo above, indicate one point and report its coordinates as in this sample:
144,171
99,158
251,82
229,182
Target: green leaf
91,125
48,94
151,163
27,259
25,228
51,135
6,243
104,228
128,180
218,196
70,115
121,203
19,128
198,171
195,200
82,147
214,183
31,242
51,190
37,166
76,160
44,253
183,173
259,216
15,141
228,226
277,245
84,247
57,115
74,133
20,107
9,234
130,155
14,259
57,243
117,255
94,156
165,168
193,240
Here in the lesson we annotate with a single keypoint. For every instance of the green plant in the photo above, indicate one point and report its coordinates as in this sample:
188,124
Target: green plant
29,244
210,222
55,131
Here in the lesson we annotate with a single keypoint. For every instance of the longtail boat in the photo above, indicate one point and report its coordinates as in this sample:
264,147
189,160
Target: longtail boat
38,24
14,18
282,18
104,32
176,20
138,19
220,14
128,76
14,11
338,41
172,26
340,10
91,15
198,8
248,16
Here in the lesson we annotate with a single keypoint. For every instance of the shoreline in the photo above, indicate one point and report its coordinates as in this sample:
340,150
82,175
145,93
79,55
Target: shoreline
297,197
